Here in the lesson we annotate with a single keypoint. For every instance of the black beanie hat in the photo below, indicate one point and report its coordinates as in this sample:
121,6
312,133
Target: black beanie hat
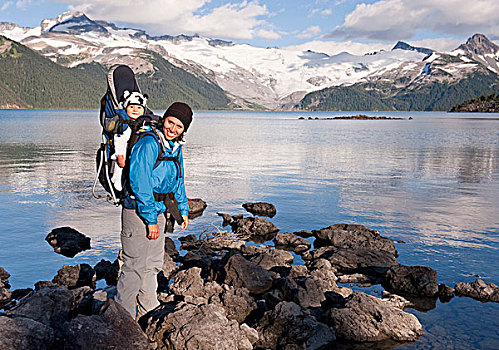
182,112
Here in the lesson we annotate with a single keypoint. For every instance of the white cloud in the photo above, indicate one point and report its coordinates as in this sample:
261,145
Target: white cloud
401,19
438,44
6,5
22,4
268,34
315,11
310,32
229,21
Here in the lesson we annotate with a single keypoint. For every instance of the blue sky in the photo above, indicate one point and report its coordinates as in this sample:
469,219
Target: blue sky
282,23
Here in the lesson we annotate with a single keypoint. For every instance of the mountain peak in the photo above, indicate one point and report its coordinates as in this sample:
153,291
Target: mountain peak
479,44
72,23
405,46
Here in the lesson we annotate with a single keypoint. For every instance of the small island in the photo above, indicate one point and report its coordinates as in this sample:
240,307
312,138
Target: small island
355,117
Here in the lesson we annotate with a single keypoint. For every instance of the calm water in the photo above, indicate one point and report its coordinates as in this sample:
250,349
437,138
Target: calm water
432,182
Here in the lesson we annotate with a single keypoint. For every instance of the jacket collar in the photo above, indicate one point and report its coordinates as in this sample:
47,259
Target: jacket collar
169,145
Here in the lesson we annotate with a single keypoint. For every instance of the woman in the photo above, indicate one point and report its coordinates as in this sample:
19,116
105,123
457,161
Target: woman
156,169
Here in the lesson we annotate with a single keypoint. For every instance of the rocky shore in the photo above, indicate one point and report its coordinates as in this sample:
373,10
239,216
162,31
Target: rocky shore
228,292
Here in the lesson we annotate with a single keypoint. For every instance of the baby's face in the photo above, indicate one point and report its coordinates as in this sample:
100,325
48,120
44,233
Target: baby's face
134,111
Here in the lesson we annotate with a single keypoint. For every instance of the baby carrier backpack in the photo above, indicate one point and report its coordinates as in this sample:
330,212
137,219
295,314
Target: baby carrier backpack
114,120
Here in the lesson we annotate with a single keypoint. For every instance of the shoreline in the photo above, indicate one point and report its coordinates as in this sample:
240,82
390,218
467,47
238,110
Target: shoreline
213,277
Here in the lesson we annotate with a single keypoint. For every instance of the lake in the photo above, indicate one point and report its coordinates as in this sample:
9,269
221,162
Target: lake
431,182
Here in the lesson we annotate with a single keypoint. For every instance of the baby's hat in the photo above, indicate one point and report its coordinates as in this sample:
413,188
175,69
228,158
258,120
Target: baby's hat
134,98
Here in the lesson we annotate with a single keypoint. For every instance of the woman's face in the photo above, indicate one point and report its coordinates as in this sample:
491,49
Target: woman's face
172,128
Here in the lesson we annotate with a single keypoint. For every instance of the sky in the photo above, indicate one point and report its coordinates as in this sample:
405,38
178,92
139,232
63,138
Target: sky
356,25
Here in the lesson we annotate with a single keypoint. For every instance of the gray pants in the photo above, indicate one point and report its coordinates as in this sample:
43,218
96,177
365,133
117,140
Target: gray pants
142,260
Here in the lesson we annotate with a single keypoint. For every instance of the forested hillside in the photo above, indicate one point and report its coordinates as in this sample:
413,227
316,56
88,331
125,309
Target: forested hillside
29,80
439,96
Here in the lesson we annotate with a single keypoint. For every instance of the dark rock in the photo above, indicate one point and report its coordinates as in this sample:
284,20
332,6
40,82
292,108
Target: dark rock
25,333
189,283
237,303
260,208
478,290
20,293
216,242
249,251
304,233
196,207
289,241
270,258
358,260
366,318
307,256
351,248
50,319
75,276
163,283
4,277
169,266
44,284
411,280
334,300
298,271
5,293
107,270
99,299
324,272
67,241
114,328
304,291
353,237
170,248
240,272
283,289
51,306
445,293
198,259
205,326
188,238
5,297
254,228
101,268
288,327
227,219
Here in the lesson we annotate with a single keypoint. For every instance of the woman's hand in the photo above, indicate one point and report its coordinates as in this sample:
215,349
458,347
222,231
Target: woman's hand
153,231
185,223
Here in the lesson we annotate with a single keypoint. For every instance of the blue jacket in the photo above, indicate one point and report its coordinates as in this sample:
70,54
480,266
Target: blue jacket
145,179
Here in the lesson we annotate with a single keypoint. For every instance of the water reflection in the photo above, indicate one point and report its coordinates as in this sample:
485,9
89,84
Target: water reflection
432,182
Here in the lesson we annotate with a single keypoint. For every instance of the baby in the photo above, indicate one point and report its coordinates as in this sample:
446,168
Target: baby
134,104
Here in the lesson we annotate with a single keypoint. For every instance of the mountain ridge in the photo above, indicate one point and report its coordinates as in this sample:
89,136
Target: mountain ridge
270,78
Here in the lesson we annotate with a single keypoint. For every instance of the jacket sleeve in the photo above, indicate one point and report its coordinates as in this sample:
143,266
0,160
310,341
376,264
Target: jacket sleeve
180,196
142,159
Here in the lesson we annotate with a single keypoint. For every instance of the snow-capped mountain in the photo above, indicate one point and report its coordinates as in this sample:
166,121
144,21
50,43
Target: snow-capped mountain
269,77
